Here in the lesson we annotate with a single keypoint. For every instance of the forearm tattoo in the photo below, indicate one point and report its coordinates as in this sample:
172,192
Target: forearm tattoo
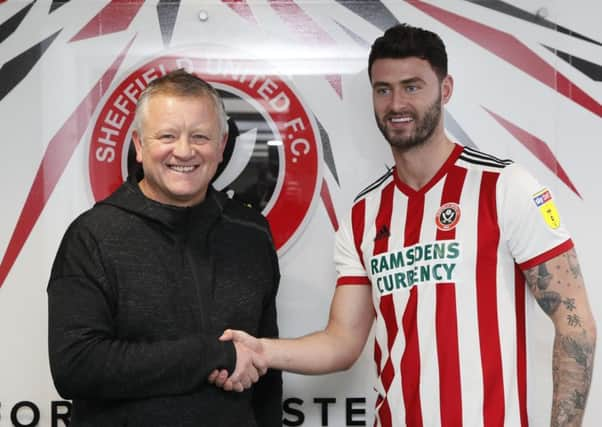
574,347
573,367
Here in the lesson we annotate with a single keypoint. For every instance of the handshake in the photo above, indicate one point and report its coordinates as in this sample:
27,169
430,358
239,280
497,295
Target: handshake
251,362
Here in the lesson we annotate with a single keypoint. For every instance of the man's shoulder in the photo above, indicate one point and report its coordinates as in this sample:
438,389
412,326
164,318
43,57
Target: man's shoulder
99,219
375,186
474,158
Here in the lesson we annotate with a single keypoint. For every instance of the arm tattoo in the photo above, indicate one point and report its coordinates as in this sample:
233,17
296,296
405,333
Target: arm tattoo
538,277
573,367
569,303
574,320
549,302
557,286
573,263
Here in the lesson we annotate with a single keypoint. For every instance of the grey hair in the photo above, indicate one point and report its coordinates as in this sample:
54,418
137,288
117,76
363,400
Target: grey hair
181,83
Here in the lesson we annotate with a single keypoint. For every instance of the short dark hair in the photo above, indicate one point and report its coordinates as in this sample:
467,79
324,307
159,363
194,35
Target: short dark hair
404,41
182,83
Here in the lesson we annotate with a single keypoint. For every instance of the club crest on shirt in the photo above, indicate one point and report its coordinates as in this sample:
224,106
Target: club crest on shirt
448,216
547,208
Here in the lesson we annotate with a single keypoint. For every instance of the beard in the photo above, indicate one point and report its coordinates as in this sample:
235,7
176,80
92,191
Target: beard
424,128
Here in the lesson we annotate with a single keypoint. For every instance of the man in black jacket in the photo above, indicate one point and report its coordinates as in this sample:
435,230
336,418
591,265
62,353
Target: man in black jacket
145,281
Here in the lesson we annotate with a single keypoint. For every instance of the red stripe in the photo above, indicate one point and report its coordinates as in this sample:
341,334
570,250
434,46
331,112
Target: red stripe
114,17
547,255
384,413
538,148
521,345
353,280
410,361
358,218
242,9
386,306
446,319
488,236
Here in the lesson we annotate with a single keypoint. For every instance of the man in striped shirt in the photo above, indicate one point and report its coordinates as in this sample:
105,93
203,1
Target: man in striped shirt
447,253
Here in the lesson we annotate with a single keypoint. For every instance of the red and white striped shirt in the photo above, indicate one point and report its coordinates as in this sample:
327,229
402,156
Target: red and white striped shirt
445,265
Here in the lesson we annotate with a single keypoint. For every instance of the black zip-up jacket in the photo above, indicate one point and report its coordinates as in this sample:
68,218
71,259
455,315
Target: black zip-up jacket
139,294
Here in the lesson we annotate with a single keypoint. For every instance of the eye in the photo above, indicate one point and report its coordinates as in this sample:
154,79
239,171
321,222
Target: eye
411,88
382,90
166,137
199,138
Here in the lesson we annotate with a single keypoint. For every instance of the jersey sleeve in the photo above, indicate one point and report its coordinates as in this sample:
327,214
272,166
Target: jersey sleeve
348,257
529,219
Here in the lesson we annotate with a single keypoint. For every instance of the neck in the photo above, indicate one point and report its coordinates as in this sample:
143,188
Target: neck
418,165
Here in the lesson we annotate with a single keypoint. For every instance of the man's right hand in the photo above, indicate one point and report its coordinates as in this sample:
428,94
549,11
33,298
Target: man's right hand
250,363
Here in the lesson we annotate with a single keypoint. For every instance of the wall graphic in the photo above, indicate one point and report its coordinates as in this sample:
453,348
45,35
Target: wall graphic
302,144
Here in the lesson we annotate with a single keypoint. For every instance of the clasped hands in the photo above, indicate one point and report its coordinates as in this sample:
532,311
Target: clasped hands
251,363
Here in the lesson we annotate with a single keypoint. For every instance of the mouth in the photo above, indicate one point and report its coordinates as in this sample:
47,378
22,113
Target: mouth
400,120
183,168
405,119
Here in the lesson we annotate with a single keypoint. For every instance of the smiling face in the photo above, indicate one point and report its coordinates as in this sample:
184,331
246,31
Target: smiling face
180,145
408,99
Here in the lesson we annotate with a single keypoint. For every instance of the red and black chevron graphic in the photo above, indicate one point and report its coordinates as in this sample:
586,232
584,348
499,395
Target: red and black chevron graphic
516,12
510,49
57,155
299,22
590,69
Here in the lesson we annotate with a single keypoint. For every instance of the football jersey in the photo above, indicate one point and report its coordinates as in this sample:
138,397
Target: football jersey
445,267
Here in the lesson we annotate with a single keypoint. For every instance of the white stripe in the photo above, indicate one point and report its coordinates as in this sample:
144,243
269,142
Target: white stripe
471,377
427,303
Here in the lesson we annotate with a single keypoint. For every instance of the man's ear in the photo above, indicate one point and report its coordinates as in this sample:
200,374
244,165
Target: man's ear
447,88
222,146
138,145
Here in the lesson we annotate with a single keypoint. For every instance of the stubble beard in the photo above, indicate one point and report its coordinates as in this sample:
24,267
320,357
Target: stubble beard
425,127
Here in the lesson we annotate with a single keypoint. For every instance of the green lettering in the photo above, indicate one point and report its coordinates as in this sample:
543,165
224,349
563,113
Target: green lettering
425,273
374,265
453,250
410,256
449,269
439,251
383,263
428,251
396,260
436,273
400,280
388,282
418,252
411,277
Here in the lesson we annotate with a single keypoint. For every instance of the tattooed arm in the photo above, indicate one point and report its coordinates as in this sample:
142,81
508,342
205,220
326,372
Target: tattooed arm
559,289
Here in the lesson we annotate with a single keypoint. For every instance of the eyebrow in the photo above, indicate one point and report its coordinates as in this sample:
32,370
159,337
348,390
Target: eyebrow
403,82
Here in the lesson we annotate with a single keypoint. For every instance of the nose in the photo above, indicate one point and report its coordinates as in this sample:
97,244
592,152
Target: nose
398,100
183,148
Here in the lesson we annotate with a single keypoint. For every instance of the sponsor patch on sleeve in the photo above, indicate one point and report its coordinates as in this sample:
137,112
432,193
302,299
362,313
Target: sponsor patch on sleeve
547,208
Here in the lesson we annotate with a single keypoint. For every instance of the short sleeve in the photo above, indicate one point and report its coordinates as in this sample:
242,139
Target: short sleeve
530,223
348,257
